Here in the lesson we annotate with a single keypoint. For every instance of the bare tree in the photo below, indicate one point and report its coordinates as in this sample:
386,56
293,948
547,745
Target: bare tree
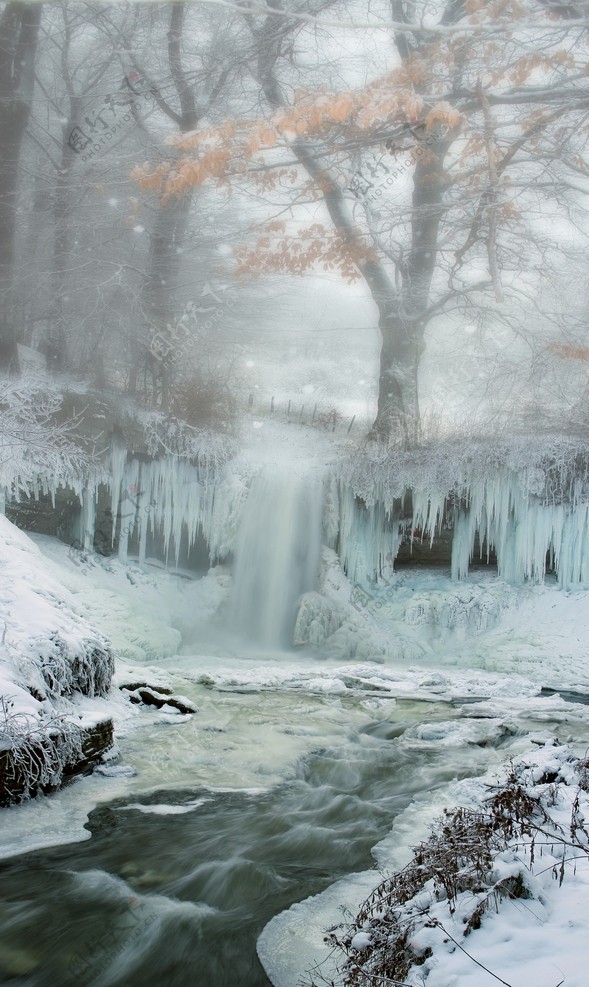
19,28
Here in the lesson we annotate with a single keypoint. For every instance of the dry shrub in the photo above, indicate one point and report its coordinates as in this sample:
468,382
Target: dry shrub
204,401
458,857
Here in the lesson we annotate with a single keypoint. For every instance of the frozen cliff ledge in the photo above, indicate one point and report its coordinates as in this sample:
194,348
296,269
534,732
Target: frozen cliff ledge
50,657
521,501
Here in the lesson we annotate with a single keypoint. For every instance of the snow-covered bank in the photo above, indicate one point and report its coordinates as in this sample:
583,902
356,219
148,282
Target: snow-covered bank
49,654
48,647
497,892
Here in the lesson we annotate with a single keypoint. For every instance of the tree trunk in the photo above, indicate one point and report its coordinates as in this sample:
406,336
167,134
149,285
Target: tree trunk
398,395
401,309
57,344
168,235
402,316
19,26
159,290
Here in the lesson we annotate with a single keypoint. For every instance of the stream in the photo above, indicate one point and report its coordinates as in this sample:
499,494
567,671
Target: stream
177,880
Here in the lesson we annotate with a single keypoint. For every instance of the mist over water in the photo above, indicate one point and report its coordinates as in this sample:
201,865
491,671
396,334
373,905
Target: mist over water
277,556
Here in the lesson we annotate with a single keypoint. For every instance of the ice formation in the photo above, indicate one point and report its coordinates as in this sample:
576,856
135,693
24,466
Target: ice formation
528,505
527,534
336,630
528,508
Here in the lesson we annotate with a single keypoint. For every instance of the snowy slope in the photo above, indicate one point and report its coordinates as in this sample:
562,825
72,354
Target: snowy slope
48,648
55,670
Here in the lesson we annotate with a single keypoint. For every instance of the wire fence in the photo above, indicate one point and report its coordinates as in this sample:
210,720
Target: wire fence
309,413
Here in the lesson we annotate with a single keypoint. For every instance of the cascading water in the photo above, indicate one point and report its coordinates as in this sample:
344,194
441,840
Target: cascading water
276,556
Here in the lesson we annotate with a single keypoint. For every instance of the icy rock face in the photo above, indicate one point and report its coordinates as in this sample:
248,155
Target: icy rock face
524,532
168,497
465,608
174,500
531,519
526,504
335,630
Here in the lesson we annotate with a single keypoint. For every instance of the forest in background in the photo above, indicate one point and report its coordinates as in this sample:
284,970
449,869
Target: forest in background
201,200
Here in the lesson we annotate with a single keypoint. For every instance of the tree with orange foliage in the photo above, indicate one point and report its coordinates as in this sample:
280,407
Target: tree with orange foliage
484,109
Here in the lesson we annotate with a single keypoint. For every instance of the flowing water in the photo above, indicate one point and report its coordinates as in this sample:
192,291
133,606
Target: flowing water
174,886
276,556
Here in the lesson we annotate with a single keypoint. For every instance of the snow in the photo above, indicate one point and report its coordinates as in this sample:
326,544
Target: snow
116,771
47,645
538,940
164,810
139,608
361,940
49,655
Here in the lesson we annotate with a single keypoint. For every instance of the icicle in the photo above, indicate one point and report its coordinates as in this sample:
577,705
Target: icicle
118,461
88,518
462,546
369,538
428,513
144,509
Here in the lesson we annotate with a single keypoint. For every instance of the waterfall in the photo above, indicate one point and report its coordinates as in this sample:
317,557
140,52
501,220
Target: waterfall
276,556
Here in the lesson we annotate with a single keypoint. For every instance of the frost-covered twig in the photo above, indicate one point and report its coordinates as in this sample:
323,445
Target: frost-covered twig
170,436
33,441
33,752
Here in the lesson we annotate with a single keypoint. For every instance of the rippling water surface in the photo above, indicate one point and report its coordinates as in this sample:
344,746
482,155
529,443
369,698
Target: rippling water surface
175,885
